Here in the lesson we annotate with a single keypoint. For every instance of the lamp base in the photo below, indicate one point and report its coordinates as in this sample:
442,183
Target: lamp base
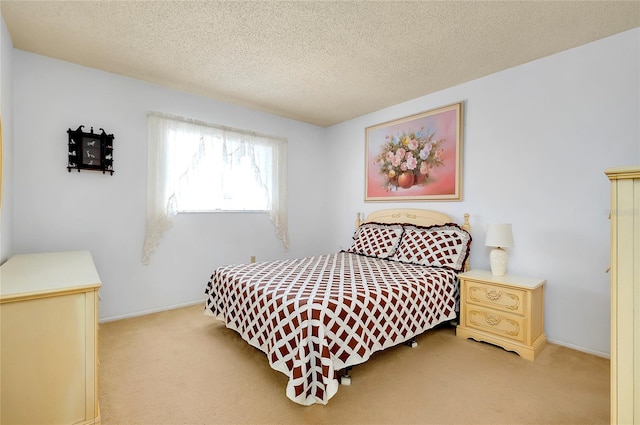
498,261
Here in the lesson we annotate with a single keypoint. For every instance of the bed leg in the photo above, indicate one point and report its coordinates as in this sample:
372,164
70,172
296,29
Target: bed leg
412,343
346,379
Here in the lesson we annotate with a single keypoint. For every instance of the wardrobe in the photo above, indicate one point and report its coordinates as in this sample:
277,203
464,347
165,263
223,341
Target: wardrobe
625,294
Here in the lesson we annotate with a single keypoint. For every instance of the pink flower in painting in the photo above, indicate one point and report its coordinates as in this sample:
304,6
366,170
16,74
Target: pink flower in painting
424,168
413,144
396,160
403,166
401,152
411,162
390,156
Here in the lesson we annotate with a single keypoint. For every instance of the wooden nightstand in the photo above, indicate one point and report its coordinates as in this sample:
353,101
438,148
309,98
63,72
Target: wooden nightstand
507,311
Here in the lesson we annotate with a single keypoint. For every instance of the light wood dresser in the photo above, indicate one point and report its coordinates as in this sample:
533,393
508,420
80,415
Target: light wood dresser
48,339
625,295
507,311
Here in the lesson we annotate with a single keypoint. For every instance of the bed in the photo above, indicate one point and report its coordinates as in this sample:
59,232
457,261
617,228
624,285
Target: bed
316,317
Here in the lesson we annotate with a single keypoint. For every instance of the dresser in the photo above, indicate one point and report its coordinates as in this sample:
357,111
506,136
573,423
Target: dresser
48,339
507,311
625,294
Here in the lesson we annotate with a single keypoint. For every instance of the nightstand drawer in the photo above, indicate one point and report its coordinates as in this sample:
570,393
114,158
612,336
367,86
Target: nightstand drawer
506,325
496,297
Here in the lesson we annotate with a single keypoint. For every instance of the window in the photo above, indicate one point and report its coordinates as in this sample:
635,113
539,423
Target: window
214,174
195,166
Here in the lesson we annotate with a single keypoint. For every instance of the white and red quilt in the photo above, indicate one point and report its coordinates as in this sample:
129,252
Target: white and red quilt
314,316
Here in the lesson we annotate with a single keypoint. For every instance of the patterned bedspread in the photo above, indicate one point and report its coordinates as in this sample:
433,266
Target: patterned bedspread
314,316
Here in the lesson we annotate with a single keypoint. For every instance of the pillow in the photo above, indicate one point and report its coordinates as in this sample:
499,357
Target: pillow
376,239
444,245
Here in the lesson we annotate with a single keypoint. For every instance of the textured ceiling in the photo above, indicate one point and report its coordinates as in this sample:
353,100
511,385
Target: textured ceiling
315,61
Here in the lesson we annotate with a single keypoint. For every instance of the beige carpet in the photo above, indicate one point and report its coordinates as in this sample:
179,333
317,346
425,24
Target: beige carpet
181,367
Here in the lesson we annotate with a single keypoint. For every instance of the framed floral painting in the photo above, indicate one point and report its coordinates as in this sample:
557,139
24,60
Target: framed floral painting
416,158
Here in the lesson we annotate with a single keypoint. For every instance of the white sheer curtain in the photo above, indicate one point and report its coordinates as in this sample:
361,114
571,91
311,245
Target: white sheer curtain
172,166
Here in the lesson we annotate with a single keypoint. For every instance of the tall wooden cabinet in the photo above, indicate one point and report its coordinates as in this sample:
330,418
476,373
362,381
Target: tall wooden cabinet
625,294
48,339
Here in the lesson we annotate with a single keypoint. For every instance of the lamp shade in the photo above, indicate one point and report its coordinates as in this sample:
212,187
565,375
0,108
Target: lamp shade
499,235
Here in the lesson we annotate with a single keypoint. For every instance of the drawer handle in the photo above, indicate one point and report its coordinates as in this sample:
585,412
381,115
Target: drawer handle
494,295
492,320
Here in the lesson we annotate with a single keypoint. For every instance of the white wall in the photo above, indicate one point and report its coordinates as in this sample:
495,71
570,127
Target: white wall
537,139
6,113
57,210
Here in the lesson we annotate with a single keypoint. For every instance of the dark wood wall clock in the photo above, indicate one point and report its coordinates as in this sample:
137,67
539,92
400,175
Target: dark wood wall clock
90,151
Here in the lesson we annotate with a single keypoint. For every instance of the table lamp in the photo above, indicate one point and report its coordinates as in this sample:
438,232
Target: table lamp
499,236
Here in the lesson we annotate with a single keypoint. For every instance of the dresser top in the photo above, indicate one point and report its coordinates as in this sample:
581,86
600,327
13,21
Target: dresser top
34,275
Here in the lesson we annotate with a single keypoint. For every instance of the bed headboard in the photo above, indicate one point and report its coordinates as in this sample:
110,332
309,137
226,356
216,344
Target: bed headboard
413,216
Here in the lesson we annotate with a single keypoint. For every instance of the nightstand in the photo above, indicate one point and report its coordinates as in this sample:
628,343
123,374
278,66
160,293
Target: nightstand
507,311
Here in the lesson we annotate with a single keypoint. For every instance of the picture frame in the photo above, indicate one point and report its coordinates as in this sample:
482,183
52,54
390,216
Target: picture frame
415,158
90,151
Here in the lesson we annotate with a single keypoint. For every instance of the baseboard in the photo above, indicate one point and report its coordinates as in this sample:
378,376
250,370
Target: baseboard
579,348
145,312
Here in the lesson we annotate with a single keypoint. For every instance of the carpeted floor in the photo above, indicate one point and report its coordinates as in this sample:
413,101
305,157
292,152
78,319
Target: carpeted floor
182,367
